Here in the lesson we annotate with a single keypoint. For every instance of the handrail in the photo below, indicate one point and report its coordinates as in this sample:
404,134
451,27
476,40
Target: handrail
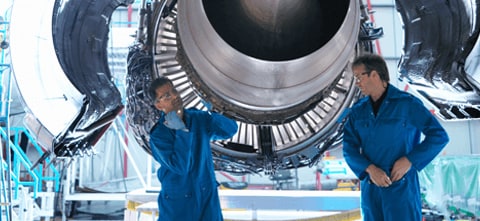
25,161
48,162
20,158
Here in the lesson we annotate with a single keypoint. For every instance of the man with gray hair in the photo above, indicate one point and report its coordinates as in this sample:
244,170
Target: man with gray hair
382,143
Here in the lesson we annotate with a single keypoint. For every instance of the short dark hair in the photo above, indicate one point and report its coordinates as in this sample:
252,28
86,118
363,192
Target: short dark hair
155,84
373,62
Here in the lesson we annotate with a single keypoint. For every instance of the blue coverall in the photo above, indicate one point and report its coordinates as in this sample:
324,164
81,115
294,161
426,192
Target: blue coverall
393,133
186,173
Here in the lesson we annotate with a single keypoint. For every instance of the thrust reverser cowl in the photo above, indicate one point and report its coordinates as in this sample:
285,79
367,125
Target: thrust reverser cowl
61,68
441,50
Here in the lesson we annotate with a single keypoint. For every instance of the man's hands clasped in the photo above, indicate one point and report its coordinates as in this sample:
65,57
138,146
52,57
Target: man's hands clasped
381,179
400,168
378,176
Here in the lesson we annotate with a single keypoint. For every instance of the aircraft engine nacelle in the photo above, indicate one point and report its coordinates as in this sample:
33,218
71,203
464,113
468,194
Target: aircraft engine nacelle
280,68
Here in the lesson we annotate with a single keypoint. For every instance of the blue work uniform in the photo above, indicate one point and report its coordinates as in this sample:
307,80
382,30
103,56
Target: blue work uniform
189,188
382,139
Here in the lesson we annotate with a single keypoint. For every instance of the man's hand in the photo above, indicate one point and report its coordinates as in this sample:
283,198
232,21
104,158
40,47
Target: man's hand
173,121
400,168
378,176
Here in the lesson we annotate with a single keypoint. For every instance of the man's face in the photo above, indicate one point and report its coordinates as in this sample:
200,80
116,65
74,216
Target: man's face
363,79
167,99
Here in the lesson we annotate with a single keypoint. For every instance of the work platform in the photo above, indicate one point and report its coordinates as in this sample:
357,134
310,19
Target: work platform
260,204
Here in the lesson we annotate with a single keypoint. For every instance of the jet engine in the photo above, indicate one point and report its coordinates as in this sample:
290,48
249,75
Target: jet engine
279,68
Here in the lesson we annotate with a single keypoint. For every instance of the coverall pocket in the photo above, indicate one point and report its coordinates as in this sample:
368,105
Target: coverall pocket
398,183
176,195
174,205
398,188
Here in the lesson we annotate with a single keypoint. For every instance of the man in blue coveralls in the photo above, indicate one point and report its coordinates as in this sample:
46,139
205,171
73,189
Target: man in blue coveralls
382,143
180,142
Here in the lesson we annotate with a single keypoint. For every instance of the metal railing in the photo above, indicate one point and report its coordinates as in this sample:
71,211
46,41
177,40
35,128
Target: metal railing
38,175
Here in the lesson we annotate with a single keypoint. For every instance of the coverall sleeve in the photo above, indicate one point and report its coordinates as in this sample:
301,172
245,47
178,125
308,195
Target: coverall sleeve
357,162
222,127
434,140
172,149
